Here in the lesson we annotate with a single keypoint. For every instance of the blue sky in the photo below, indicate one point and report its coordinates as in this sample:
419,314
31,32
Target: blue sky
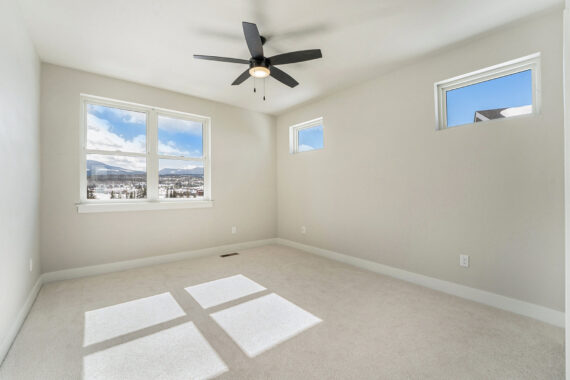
311,138
127,125
184,136
513,90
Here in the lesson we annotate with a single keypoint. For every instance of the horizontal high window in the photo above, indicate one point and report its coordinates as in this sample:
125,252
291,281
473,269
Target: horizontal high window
502,91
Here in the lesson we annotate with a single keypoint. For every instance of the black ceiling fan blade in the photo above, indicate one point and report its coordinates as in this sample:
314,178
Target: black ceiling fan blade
253,39
296,56
282,77
221,59
243,76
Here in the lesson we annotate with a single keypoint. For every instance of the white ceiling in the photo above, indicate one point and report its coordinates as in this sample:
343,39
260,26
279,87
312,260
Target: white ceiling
152,41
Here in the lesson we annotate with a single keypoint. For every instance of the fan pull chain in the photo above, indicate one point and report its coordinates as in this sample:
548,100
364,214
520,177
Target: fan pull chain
254,84
264,89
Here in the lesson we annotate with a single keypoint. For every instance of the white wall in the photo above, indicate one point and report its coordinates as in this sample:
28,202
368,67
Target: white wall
390,188
19,171
243,179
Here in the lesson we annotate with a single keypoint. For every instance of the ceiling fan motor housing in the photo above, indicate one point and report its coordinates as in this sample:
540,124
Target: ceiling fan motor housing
257,62
259,68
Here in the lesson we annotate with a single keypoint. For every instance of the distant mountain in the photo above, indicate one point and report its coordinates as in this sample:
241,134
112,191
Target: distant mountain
99,168
195,171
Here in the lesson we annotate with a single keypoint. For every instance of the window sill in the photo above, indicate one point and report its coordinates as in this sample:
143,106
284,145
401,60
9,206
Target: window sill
141,206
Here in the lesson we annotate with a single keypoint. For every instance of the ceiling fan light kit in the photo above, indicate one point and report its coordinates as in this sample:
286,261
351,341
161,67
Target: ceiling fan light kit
259,72
260,66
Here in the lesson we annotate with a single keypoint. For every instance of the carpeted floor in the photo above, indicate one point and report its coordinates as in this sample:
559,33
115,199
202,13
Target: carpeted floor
298,316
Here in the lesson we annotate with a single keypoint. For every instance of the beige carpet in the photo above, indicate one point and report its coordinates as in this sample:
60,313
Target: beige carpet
300,317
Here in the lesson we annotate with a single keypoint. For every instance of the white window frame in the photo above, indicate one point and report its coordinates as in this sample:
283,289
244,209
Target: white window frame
294,134
152,160
529,62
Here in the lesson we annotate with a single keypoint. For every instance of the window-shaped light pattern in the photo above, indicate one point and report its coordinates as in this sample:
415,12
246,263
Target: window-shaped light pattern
217,292
260,324
154,336
121,319
179,352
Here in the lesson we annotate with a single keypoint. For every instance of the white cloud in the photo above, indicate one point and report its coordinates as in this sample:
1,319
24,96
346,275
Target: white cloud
305,147
170,149
179,164
516,111
100,137
179,126
131,117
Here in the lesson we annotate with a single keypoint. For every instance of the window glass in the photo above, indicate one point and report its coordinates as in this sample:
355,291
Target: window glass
115,129
180,179
179,137
310,138
115,177
506,96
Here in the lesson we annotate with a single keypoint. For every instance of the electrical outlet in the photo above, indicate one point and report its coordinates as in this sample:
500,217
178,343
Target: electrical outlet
303,230
464,261
31,264
234,230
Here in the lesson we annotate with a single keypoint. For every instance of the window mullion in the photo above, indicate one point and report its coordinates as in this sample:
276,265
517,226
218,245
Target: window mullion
152,156
114,153
178,158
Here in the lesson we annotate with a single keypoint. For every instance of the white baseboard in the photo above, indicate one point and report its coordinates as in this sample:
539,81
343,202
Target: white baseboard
541,313
93,270
6,343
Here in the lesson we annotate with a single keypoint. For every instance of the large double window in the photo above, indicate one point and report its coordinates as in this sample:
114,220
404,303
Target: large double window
141,157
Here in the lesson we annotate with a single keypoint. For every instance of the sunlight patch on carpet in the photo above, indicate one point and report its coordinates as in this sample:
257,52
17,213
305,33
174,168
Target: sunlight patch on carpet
116,320
260,324
213,293
180,352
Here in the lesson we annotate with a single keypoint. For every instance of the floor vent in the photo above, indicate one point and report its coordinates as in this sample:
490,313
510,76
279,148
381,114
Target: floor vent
229,254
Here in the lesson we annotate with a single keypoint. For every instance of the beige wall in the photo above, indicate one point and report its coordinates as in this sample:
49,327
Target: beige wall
19,171
387,187
390,188
243,179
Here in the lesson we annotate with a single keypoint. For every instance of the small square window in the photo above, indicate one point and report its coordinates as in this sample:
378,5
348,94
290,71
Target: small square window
502,91
307,136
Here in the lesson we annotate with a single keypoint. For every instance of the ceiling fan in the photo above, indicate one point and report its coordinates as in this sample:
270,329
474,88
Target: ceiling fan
261,66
